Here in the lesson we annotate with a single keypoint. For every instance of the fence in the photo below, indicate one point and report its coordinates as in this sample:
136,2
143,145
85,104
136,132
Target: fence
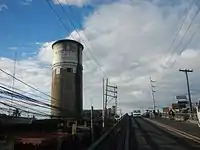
115,138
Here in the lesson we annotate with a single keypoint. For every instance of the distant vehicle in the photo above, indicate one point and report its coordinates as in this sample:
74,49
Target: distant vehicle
137,113
117,117
146,115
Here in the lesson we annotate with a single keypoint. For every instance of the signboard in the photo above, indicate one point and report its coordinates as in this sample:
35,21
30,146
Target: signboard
181,97
183,102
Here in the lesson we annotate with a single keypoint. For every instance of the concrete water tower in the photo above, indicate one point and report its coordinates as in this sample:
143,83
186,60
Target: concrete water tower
67,81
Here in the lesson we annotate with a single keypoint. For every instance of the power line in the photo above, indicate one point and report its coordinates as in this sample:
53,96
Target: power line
94,58
23,106
178,30
59,18
16,89
21,96
19,100
30,87
186,45
73,25
22,109
188,28
29,93
22,80
9,87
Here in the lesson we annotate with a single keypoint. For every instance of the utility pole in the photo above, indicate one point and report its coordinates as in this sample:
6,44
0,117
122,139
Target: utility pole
111,91
106,99
103,110
91,124
13,77
188,85
153,93
115,96
14,69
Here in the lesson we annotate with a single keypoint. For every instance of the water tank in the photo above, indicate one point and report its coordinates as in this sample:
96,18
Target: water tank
66,93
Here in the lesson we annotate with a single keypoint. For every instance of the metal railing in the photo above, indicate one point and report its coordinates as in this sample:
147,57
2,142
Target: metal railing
114,138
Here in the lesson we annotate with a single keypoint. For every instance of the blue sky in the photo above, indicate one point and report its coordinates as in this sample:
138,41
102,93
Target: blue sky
22,26
27,22
137,34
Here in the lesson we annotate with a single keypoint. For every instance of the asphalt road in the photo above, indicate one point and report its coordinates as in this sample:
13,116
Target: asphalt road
187,127
141,134
148,136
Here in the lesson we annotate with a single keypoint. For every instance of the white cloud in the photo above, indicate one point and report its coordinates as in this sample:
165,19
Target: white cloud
45,52
3,7
72,2
26,2
129,41
13,48
190,53
81,3
31,72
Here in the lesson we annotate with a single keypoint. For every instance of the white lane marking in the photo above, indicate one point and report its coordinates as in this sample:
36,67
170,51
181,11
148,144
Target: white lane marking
184,134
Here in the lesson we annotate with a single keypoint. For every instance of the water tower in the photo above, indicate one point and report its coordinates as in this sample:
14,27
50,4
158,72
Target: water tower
67,77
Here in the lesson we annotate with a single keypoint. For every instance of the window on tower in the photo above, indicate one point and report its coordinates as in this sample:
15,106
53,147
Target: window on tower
69,69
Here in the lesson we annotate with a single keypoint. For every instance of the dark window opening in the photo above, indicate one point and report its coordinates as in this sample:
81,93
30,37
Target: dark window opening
69,69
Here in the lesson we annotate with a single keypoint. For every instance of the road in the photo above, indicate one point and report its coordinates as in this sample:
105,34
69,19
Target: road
148,136
184,126
142,134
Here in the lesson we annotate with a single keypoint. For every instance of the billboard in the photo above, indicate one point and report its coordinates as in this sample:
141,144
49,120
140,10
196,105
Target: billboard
181,97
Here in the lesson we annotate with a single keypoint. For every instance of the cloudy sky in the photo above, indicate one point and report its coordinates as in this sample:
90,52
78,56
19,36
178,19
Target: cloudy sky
125,40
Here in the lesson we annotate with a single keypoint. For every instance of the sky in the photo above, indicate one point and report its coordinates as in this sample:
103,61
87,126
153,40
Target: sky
126,41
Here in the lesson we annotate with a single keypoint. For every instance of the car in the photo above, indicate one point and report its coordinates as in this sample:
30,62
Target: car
137,113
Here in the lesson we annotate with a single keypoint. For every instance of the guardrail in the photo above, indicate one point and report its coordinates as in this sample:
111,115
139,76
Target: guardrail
114,138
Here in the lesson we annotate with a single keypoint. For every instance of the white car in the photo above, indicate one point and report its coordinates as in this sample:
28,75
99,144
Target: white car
137,113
